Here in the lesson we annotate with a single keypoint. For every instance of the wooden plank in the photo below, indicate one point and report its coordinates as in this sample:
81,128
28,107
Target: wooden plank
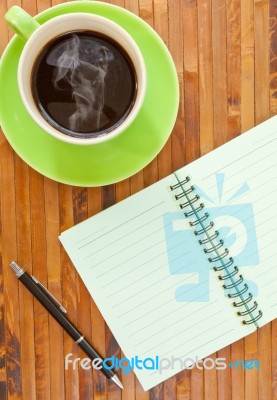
9,252
273,56
132,5
43,5
3,370
233,47
136,182
224,376
210,382
4,29
29,6
197,384
160,15
170,389
119,3
251,377
184,385
176,47
264,357
205,55
54,286
247,65
112,349
219,71
69,292
146,12
26,299
161,27
156,393
39,256
261,31
191,76
11,379
237,375
3,386
122,190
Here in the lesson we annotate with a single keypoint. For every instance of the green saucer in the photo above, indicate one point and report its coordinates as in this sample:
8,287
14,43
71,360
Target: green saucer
107,162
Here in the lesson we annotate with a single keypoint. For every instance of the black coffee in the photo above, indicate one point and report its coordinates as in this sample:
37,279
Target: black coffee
84,84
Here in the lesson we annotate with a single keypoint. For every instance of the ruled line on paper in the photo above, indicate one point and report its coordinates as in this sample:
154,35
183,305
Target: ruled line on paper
146,301
264,247
261,199
175,323
268,135
251,165
196,348
123,262
154,321
257,213
251,229
204,344
269,282
212,340
163,291
238,183
240,158
267,270
126,222
124,236
274,293
197,337
178,333
130,258
136,268
92,234
151,286
147,276
161,305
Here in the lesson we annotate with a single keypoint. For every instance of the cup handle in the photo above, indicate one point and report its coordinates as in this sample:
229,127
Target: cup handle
21,22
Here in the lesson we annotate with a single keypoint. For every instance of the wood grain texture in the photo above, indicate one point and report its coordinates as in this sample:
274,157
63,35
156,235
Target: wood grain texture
225,53
205,55
219,39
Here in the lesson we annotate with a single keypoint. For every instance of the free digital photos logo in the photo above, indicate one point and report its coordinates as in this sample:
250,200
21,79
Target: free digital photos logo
235,223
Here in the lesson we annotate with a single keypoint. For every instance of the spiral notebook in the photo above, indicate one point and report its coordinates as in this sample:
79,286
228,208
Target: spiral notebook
188,265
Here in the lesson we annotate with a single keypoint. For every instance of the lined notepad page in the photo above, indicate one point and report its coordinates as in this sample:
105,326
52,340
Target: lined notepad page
133,262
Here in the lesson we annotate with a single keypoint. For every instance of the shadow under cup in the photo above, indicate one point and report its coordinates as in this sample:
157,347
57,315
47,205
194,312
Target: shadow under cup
84,85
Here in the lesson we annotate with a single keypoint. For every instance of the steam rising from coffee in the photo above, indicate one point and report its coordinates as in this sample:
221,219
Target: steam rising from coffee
84,84
84,67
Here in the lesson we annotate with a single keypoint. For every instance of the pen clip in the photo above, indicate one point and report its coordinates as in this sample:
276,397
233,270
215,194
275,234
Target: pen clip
49,294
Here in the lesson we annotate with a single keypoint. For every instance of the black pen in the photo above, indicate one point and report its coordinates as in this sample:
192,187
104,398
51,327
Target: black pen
58,312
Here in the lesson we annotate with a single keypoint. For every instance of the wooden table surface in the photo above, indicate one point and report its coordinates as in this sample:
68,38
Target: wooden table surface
225,53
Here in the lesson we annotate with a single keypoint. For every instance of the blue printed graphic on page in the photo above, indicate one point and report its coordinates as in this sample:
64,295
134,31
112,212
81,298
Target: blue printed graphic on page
234,222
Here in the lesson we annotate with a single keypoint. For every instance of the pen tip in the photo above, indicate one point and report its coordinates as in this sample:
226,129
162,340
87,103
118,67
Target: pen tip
117,381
